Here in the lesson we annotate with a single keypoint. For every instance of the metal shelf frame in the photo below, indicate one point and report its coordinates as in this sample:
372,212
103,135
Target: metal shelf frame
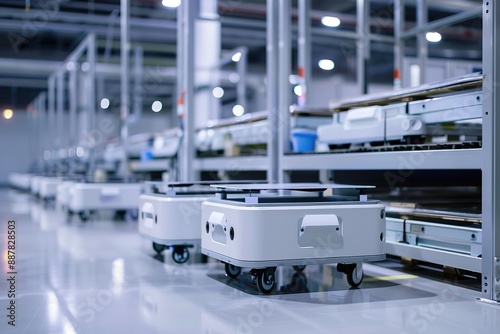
491,152
486,159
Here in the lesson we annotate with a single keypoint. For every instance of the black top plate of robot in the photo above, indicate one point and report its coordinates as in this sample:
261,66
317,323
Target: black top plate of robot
289,186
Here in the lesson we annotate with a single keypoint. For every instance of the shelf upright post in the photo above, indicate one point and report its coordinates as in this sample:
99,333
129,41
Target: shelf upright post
91,55
72,85
73,105
362,43
422,45
60,132
138,74
90,88
185,21
491,153
284,71
51,111
272,89
304,50
399,43
241,68
37,124
124,80
43,133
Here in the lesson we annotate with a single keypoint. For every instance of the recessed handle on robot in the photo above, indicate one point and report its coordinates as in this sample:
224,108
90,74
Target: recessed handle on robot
108,192
320,231
147,215
218,224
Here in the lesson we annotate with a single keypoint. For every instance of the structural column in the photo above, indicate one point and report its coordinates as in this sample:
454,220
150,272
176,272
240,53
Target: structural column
60,131
206,61
399,43
272,89
51,129
422,45
491,152
304,50
73,103
362,43
185,59
124,68
284,89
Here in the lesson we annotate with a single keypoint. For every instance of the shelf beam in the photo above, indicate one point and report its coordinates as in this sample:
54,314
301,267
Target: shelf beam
259,163
430,255
444,159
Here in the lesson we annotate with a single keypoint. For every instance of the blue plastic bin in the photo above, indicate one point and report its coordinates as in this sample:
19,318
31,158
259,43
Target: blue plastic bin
303,140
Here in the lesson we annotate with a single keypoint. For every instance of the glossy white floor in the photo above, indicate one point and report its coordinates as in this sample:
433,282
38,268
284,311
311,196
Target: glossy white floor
101,277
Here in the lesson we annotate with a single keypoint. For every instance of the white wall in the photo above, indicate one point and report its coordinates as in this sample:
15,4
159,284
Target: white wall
15,145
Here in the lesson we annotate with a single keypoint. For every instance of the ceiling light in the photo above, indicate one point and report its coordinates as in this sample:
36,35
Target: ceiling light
70,66
171,3
85,66
236,57
234,77
105,103
238,110
80,151
326,64
8,113
156,106
433,37
294,79
218,92
297,90
330,21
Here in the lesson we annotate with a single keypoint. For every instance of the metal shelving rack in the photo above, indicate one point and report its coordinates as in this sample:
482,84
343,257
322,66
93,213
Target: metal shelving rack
487,158
278,92
491,152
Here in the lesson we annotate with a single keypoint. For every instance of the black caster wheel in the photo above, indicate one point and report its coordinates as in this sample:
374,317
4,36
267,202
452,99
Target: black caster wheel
297,284
158,248
83,216
266,280
120,214
351,271
232,270
299,268
180,254
134,214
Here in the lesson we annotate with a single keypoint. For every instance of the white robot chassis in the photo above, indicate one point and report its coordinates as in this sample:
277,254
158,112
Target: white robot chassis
262,231
170,217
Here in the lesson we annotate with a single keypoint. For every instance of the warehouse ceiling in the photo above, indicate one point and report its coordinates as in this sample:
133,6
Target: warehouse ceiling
36,35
